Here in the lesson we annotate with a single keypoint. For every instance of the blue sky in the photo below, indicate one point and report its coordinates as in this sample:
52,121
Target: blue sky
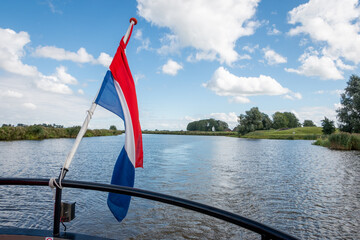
190,59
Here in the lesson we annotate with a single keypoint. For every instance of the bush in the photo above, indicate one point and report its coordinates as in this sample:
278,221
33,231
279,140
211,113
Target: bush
322,142
340,141
355,141
73,131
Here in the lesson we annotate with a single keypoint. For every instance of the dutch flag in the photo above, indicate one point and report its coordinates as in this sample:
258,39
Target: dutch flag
117,94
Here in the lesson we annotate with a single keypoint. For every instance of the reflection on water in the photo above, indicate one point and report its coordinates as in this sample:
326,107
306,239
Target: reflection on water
305,190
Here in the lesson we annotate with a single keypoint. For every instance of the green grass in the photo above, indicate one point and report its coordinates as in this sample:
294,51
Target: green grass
307,133
201,133
300,133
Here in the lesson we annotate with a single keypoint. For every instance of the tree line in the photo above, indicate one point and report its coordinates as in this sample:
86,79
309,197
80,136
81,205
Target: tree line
10,132
254,120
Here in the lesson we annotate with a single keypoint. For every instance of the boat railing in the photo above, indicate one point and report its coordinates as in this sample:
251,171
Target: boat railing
265,231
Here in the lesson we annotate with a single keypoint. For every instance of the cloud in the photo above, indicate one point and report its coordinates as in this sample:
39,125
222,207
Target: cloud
171,67
224,83
170,44
30,106
338,105
344,66
81,56
11,93
251,49
52,7
273,31
293,96
239,99
138,76
313,65
104,59
51,84
201,56
230,118
80,91
333,92
211,27
36,97
63,76
316,114
145,43
57,82
273,58
191,119
12,51
37,105
334,25
60,54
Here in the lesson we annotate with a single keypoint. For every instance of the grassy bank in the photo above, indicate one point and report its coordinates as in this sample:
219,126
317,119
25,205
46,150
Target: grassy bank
201,133
39,132
340,141
305,133
300,133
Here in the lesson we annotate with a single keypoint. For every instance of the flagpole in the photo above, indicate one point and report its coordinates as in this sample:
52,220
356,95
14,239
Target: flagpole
133,21
80,135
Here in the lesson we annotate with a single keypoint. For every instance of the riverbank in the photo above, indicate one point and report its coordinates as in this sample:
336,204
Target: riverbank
300,133
201,133
340,141
39,132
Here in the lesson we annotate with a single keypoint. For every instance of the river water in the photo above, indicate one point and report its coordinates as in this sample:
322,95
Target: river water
308,191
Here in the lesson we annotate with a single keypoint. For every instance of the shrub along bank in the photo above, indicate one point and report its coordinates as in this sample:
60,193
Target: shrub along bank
340,141
39,132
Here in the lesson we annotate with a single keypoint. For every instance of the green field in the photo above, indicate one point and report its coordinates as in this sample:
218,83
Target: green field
303,133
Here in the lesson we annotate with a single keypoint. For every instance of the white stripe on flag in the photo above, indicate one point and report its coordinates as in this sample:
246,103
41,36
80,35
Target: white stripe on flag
129,131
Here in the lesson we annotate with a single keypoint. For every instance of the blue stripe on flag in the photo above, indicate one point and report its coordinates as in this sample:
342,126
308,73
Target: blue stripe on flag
123,175
108,97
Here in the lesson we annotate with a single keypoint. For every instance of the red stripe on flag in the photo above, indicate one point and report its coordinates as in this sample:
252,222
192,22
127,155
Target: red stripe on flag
121,72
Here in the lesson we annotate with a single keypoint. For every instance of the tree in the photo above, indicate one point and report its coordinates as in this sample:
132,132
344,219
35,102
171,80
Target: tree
293,122
349,113
266,121
328,126
113,127
308,123
207,125
280,120
251,121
